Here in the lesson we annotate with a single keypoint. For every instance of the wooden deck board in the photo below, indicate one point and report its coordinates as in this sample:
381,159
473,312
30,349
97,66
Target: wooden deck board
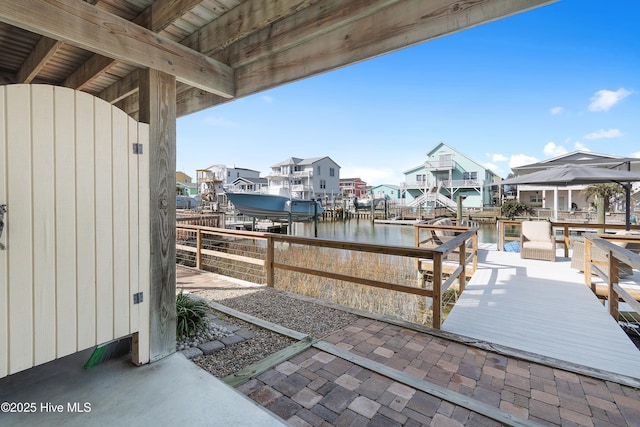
544,308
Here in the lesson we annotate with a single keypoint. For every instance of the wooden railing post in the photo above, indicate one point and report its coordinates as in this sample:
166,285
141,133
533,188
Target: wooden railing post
269,262
587,262
199,249
566,240
462,278
437,291
475,252
613,278
500,235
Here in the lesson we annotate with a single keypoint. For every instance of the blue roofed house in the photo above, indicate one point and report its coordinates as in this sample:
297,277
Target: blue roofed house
446,174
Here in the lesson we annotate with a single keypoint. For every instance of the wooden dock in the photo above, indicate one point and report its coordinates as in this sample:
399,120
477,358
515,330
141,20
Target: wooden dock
543,308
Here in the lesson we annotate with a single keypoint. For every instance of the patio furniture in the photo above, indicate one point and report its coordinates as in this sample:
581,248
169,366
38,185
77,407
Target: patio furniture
537,241
600,256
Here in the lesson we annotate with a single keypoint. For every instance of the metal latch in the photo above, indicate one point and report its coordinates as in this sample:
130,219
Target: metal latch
137,298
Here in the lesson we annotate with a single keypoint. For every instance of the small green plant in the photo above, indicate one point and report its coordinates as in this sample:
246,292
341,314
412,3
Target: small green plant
191,316
513,208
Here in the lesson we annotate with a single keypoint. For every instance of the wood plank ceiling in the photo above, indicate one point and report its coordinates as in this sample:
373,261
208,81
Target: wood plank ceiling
218,50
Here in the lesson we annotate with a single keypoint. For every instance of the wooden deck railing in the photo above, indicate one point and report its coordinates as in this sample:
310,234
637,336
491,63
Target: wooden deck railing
443,278
566,227
609,271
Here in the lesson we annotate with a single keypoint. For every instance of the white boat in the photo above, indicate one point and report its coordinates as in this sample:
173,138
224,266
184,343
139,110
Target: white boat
275,207
364,203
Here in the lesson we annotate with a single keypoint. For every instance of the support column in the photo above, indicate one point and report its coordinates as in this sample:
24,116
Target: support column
158,109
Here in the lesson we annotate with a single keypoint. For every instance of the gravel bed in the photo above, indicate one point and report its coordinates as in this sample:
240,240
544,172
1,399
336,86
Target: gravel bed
272,305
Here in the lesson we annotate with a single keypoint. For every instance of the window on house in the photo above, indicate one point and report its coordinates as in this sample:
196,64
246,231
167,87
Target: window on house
318,170
323,184
445,160
332,172
470,176
228,174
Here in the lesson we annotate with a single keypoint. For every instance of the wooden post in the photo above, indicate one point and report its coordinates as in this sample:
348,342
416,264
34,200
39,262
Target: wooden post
587,262
613,278
462,279
566,240
500,235
199,249
436,306
157,96
475,253
269,262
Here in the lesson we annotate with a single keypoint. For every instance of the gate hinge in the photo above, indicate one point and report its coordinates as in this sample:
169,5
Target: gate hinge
137,148
137,298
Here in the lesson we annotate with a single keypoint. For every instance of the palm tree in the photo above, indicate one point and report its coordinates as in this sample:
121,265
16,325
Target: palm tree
605,192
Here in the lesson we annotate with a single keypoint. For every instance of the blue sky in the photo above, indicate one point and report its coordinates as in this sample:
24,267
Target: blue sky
526,88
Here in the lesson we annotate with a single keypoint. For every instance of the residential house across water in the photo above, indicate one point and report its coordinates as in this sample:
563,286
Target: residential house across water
212,181
305,178
353,187
446,174
571,198
391,192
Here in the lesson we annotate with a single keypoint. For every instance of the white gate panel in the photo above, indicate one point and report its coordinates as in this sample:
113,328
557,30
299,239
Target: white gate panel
76,227
44,238
66,214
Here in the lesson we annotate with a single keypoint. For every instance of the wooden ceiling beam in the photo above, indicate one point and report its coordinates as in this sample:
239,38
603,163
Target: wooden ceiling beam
44,50
156,17
241,21
121,89
275,57
88,72
166,12
96,30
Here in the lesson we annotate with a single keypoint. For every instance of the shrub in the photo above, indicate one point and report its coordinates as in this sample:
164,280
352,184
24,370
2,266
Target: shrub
191,316
513,208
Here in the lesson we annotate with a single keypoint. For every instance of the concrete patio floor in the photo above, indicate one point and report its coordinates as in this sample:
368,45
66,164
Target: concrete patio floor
170,392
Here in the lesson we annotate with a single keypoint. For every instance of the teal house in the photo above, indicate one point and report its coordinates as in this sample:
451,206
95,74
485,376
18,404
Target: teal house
390,192
446,174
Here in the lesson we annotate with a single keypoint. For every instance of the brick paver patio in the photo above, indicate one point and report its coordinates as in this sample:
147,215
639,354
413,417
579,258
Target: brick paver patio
316,388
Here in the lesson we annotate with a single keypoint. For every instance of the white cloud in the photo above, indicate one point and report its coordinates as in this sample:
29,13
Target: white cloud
556,110
609,133
499,158
553,150
266,98
521,159
636,155
604,99
220,121
580,146
493,167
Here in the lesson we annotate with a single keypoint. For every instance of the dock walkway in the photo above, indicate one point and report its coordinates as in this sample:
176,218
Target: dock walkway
544,308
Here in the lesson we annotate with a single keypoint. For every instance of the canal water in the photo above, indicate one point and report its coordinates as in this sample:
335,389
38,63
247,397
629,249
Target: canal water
364,231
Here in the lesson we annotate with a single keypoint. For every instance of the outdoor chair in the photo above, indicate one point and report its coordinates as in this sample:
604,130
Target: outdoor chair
600,256
537,241
442,236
